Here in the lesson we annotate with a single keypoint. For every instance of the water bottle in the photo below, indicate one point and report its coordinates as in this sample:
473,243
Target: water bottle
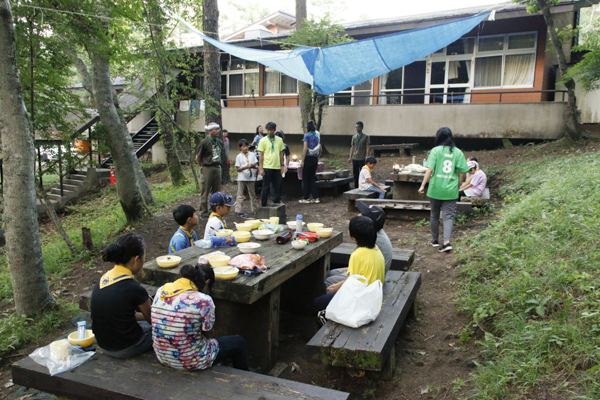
424,162
299,223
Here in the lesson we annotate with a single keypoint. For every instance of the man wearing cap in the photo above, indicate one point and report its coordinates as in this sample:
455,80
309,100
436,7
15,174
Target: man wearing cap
209,156
377,215
220,205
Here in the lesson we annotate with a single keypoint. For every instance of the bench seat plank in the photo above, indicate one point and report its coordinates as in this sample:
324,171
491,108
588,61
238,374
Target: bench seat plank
402,259
420,205
369,346
143,377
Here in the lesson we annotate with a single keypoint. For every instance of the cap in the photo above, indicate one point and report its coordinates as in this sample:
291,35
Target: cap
375,213
221,199
472,164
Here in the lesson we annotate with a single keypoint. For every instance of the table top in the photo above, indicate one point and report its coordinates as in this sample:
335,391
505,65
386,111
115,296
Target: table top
282,261
406,176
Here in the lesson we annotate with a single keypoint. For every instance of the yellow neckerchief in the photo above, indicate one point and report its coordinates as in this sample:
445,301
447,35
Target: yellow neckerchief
174,288
117,274
214,214
190,235
367,167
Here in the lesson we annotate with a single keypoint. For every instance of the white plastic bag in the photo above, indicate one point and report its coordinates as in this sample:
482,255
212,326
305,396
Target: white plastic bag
60,356
356,303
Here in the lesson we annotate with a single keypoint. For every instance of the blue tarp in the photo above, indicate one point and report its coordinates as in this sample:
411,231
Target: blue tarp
335,68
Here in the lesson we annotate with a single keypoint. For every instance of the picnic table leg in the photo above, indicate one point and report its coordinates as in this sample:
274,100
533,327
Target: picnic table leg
258,323
306,285
407,152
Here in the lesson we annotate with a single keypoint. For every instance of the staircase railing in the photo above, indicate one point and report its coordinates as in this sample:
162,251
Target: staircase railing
143,148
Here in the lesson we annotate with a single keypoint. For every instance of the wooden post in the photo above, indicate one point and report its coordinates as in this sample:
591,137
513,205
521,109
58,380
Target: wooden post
86,238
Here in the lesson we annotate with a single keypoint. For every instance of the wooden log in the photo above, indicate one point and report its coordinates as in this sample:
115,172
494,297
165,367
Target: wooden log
86,236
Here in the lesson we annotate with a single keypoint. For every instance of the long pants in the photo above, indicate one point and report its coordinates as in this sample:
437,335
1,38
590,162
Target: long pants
376,190
336,276
356,167
239,202
272,177
210,182
321,302
143,345
309,177
447,207
234,348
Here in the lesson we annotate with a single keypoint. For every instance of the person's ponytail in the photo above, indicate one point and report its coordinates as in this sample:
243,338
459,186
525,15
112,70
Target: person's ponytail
124,249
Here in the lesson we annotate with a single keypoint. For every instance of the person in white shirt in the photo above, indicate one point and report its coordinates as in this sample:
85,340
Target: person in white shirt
366,182
245,164
220,204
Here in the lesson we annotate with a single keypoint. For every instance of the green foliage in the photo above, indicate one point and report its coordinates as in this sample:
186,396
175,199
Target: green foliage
317,33
533,6
486,210
531,282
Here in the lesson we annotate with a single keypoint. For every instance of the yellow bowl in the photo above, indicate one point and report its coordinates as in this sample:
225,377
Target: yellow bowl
226,273
324,232
265,220
313,226
254,222
241,236
244,227
218,261
89,338
168,261
224,232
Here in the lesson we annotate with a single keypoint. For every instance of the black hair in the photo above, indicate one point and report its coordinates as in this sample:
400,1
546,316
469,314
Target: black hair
257,129
280,134
371,159
214,208
362,229
243,142
310,126
361,124
224,130
182,213
198,274
271,125
124,249
443,137
472,158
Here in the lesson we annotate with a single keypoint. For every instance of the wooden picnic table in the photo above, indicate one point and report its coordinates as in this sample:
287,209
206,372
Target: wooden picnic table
250,306
406,185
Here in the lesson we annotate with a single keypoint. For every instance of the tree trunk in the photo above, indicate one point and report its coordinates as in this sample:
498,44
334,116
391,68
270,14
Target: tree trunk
571,113
304,89
51,212
119,140
23,247
84,74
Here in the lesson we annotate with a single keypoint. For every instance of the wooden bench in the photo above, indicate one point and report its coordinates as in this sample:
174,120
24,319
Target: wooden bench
143,377
370,347
402,259
380,148
338,184
409,208
85,300
352,195
478,200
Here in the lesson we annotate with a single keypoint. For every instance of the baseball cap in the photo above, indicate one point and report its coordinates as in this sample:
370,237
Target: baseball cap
472,164
375,213
221,199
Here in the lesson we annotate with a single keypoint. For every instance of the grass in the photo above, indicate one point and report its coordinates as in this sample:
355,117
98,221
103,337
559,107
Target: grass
531,283
101,213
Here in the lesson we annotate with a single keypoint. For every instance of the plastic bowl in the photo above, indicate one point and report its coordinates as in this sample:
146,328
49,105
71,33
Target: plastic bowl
89,338
168,261
299,244
313,226
265,220
218,261
248,248
263,234
224,232
226,273
244,227
324,232
241,236
254,222
292,225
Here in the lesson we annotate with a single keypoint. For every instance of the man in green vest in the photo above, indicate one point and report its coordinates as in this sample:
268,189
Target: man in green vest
209,156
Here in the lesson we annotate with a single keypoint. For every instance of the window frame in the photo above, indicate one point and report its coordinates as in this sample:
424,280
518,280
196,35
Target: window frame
265,94
242,72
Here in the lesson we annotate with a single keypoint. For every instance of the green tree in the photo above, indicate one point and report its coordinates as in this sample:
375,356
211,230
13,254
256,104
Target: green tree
587,71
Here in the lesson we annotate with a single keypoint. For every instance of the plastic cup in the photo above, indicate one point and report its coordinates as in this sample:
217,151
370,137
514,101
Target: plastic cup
274,220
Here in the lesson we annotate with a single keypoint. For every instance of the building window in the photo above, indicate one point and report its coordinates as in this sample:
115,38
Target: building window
354,96
275,82
242,77
404,85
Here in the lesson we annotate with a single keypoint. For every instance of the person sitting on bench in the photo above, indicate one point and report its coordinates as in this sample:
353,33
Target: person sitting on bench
474,186
181,311
120,330
365,180
366,260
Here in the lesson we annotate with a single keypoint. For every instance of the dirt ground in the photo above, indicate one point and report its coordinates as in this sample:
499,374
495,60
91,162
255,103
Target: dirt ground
430,358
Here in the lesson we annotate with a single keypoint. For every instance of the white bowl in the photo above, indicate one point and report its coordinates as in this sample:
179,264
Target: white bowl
292,225
248,248
299,244
263,234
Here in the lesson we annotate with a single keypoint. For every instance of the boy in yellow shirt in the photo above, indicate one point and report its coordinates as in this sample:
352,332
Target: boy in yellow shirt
366,260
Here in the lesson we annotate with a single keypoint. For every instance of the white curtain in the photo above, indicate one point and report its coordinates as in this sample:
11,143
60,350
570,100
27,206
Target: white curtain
251,85
382,82
518,70
488,71
271,83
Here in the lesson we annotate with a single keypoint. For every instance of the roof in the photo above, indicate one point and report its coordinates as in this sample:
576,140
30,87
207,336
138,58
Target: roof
278,18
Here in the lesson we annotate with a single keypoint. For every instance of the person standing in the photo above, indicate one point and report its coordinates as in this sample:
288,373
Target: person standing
359,150
444,165
209,156
309,164
271,164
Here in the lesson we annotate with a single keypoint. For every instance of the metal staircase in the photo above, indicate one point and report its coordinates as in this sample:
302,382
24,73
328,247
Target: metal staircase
143,140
